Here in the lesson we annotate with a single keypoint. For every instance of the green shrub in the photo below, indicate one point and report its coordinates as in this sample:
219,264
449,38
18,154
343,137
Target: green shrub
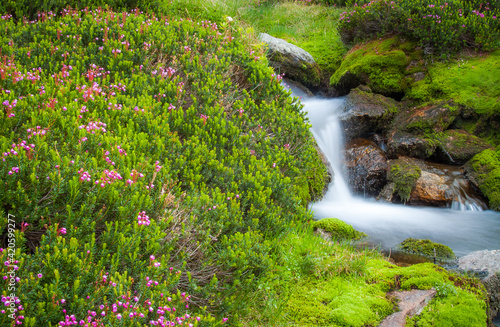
160,153
439,25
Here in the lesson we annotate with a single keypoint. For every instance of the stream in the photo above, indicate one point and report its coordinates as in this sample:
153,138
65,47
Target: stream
464,227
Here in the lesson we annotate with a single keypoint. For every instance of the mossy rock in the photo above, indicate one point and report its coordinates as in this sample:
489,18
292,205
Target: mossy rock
404,175
380,64
426,248
338,229
458,146
483,170
434,117
406,144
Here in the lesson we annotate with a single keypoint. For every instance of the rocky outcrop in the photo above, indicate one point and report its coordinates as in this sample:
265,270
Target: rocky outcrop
297,64
405,144
432,190
366,167
433,118
365,113
458,146
485,264
410,303
483,170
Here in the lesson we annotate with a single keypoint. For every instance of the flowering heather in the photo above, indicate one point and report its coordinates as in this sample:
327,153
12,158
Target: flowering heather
117,130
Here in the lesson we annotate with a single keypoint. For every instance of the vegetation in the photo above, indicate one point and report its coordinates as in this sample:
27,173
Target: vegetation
156,172
438,25
427,248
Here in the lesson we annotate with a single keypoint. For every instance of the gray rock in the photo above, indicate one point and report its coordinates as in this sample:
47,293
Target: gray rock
487,264
299,55
410,303
405,144
297,64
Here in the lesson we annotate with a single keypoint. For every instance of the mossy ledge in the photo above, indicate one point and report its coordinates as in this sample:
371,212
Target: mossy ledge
338,229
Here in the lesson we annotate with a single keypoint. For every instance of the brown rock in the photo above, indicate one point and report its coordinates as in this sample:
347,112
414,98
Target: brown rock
432,189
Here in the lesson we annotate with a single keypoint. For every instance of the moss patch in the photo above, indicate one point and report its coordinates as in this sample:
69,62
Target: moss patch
426,248
380,64
338,229
404,176
458,146
484,171
470,81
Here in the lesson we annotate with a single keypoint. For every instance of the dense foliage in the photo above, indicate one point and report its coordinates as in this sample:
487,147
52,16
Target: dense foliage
143,158
436,24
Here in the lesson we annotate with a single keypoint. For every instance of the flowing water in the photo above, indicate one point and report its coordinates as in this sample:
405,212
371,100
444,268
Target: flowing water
465,227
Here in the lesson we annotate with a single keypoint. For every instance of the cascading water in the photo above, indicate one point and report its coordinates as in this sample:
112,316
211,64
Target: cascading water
389,224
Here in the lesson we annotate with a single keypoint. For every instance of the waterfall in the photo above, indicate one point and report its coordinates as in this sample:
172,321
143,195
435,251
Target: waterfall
389,224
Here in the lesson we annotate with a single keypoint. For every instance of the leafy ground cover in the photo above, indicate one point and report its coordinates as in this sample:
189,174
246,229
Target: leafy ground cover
158,174
142,156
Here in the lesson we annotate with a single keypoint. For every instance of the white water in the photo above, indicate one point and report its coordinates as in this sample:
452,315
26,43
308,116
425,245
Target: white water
389,224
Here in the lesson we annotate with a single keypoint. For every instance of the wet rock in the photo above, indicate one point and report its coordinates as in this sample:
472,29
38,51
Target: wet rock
387,193
458,146
295,62
417,182
366,167
405,144
410,303
432,190
486,264
365,113
433,118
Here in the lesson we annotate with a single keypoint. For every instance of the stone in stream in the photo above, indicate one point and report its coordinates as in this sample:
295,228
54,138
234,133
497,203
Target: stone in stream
418,182
458,146
486,264
366,167
410,303
297,64
365,113
406,144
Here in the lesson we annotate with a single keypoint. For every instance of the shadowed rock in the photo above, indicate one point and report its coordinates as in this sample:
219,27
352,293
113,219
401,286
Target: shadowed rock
366,113
366,167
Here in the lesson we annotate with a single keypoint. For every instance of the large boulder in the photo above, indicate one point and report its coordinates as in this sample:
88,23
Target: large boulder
365,113
485,264
432,190
297,64
458,146
366,167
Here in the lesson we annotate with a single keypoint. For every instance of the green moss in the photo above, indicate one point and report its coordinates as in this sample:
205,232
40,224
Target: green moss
470,81
404,176
338,228
461,309
426,248
484,168
380,64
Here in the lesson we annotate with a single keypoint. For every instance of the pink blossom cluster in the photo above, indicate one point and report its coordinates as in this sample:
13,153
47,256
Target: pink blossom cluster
84,175
9,107
157,166
109,176
15,147
94,126
143,219
164,72
88,93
